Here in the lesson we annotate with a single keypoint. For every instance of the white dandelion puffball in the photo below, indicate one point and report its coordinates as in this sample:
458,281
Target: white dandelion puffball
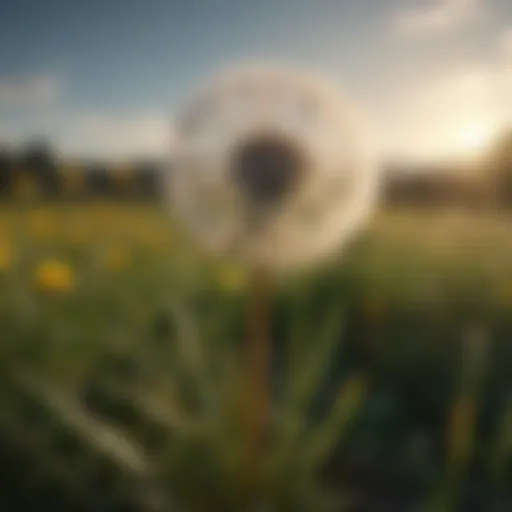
272,166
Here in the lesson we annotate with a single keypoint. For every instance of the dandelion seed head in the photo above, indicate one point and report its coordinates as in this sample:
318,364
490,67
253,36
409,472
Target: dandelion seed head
272,165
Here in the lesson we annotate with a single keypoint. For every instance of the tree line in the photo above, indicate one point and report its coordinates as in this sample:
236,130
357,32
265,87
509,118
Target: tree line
37,171
484,183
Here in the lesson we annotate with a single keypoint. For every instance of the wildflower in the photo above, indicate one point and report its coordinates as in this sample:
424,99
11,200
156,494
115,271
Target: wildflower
54,276
272,166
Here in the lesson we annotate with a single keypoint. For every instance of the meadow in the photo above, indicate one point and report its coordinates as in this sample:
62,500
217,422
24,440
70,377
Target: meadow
88,299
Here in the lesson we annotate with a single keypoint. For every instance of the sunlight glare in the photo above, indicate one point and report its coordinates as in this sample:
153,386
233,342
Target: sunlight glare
474,138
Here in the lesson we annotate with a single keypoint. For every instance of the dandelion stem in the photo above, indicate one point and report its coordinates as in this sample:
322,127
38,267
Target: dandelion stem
258,358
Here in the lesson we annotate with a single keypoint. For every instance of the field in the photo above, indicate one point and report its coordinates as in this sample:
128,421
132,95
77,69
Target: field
88,300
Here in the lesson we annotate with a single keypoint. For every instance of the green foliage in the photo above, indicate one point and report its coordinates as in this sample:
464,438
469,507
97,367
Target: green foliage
181,424
391,383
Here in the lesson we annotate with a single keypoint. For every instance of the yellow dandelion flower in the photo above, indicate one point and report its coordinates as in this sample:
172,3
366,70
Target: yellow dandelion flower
116,259
232,278
54,277
5,257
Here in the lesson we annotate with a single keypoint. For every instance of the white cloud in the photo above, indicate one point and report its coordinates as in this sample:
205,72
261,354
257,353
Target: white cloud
436,16
127,136
28,90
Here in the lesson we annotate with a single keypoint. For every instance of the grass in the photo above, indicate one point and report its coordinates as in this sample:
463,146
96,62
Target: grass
425,300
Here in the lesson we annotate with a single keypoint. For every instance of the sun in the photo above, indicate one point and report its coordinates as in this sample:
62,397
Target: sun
474,138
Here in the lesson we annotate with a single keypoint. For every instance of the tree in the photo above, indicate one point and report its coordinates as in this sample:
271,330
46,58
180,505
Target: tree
499,167
98,180
149,178
5,169
39,160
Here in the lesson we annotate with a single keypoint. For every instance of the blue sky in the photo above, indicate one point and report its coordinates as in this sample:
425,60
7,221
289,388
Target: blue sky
104,77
